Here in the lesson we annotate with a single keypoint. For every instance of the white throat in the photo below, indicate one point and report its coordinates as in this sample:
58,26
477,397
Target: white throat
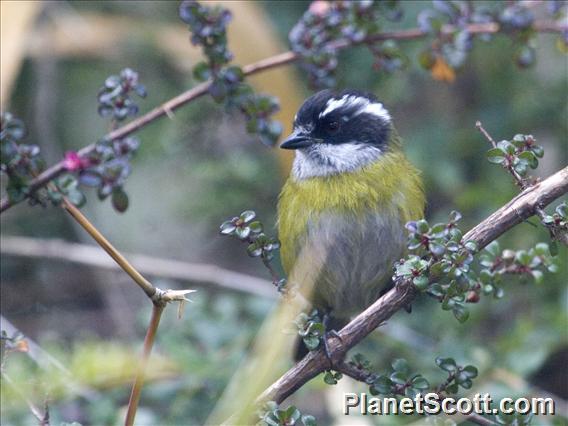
323,159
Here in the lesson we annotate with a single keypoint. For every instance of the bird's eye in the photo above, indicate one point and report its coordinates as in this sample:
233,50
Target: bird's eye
332,126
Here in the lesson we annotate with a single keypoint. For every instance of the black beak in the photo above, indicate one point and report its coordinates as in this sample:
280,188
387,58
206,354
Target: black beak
297,140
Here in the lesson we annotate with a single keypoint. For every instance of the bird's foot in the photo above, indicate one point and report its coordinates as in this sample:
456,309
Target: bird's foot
327,335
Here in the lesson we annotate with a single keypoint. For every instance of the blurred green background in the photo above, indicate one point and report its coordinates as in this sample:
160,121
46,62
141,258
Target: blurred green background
199,168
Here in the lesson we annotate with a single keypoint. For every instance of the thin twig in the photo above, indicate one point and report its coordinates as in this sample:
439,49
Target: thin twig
518,179
142,282
555,234
167,108
351,370
485,133
157,310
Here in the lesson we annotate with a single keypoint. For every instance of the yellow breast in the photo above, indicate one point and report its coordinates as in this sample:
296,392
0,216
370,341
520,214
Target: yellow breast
390,185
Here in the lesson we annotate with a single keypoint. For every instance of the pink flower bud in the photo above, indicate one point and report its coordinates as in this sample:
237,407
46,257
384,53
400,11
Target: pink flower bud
319,7
72,162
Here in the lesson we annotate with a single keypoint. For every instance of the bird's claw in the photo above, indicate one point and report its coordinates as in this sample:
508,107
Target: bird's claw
326,335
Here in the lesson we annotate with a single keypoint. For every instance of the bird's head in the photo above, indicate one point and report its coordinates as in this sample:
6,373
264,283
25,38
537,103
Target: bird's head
337,133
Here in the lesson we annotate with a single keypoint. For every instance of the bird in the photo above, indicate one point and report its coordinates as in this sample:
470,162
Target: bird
342,212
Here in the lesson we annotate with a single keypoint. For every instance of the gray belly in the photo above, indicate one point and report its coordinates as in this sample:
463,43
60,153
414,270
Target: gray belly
356,259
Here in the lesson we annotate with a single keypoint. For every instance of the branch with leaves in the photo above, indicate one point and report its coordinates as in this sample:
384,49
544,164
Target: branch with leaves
516,211
340,25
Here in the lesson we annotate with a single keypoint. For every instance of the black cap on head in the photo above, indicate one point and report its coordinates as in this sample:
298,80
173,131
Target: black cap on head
334,118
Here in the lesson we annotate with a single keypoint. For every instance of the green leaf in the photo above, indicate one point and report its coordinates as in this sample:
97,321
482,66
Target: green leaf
435,290
242,232
548,220
493,249
507,147
485,276
538,150
470,371
455,216
77,198
254,251
436,249
329,378
542,249
312,342
422,226
15,194
381,386
119,200
398,377
446,364
519,139
499,292
420,383
461,313
523,257
553,267
521,169
309,420
247,216
227,227
256,227
291,415
537,275
317,328
421,282
471,246
529,158
400,365
453,388
202,71
439,230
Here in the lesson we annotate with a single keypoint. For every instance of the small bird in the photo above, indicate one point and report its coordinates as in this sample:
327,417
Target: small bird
342,211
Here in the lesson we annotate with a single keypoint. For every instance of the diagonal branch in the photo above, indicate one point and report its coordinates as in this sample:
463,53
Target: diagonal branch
514,212
263,65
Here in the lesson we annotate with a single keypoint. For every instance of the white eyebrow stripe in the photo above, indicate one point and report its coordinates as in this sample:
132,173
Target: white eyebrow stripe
377,109
364,105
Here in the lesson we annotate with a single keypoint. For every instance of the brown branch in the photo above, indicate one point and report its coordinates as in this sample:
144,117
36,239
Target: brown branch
159,298
513,213
281,59
485,133
157,311
84,254
124,264
351,370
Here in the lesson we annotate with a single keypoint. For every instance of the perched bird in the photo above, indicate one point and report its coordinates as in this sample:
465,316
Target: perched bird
342,211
